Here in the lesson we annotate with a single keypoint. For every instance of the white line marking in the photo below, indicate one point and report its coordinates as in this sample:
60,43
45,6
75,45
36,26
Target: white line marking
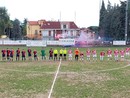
49,96
65,72
108,69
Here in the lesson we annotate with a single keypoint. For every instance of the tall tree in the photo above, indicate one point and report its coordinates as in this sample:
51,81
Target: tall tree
8,29
102,19
4,20
112,21
128,33
17,34
24,27
115,22
108,21
122,20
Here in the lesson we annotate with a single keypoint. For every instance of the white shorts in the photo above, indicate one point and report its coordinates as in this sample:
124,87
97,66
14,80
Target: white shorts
88,56
109,55
127,53
116,56
122,56
94,55
70,55
101,56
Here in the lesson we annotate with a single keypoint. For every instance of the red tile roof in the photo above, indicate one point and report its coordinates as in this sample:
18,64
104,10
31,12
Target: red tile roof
51,25
57,25
73,25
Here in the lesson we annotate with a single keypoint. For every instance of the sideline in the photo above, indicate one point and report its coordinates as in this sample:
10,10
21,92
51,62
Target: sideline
49,96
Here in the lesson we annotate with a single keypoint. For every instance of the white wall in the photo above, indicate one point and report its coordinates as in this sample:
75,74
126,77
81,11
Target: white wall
38,43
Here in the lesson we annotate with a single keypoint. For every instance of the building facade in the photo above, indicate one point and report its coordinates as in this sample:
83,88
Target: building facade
33,29
55,30
51,30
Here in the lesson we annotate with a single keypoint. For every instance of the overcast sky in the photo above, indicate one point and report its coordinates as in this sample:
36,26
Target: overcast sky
83,12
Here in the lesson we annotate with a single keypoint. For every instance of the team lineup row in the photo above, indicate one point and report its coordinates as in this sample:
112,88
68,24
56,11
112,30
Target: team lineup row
8,54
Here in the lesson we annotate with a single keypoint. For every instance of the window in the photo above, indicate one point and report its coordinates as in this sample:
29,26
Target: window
71,33
64,26
36,32
40,33
49,33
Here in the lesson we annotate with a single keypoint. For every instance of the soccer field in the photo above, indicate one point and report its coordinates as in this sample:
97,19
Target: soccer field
75,79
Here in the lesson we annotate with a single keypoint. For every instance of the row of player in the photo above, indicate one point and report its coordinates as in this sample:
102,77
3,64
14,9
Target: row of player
53,54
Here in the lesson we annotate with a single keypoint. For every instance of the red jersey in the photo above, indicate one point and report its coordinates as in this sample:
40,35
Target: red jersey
127,49
122,52
8,52
18,51
116,52
23,53
29,51
51,52
88,52
94,52
109,52
3,52
102,53
34,52
81,54
12,52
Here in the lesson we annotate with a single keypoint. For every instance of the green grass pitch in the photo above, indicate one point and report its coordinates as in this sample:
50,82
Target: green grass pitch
76,79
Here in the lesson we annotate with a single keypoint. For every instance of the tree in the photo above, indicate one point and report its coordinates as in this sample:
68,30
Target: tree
16,34
8,29
122,20
112,21
4,20
24,27
107,20
128,33
102,20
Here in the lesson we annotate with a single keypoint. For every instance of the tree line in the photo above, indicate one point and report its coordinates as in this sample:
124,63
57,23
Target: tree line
14,29
112,21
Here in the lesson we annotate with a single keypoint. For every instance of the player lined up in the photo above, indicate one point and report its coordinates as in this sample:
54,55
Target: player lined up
8,54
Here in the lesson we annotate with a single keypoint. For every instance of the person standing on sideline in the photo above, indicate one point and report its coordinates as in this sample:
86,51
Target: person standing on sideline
94,53
29,53
8,54
35,55
11,54
122,53
18,54
50,54
77,54
55,54
70,54
23,55
116,52
109,54
88,53
43,54
3,54
65,53
81,56
60,55
127,51
102,54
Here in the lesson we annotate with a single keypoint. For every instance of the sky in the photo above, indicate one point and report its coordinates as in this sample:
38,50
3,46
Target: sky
84,13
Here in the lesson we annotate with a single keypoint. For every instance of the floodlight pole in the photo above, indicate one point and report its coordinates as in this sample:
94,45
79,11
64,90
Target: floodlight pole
126,21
